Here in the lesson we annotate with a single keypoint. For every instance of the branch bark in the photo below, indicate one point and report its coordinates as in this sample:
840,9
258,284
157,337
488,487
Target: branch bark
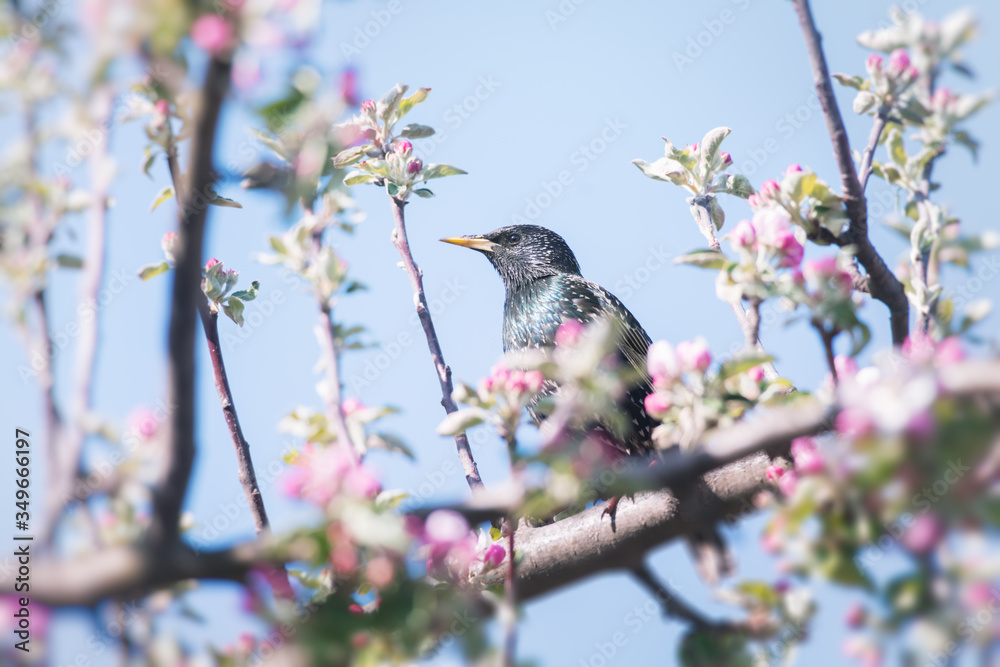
415,275
882,283
171,486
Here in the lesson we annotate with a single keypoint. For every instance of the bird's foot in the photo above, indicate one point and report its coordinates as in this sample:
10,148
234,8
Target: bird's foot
611,510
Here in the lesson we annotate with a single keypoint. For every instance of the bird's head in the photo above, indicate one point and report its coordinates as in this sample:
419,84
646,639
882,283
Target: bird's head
522,253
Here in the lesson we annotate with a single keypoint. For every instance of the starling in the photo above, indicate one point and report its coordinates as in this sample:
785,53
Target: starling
544,289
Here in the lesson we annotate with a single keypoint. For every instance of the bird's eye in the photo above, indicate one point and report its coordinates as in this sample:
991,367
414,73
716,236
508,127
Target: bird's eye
514,239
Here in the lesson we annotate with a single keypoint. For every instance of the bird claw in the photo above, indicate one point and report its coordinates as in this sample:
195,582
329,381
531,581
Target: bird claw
611,510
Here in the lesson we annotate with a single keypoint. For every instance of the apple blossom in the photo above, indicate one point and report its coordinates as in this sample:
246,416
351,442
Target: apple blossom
212,33
694,355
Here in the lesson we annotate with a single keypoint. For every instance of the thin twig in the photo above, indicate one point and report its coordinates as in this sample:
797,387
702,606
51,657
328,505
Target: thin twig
171,486
878,125
247,475
883,284
672,604
423,312
827,337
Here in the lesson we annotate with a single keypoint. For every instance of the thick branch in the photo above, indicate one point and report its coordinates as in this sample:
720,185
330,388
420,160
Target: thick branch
171,487
883,284
423,312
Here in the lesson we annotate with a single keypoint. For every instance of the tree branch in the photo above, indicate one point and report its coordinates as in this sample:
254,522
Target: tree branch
883,284
171,487
402,244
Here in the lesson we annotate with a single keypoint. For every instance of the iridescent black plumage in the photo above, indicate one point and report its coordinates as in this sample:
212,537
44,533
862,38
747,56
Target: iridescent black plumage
544,289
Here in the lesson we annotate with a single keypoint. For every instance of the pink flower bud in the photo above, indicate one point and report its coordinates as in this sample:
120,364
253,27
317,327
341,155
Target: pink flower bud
855,616
171,244
874,63
404,147
368,106
495,553
756,374
415,166
788,482
899,62
976,596
662,362
754,200
379,572
516,384
792,168
210,263
912,72
657,404
846,366
924,534
781,586
727,159
743,235
807,458
769,188
162,107
212,33
694,355
569,332
854,422
918,348
771,542
693,148
774,473
351,405
349,87
534,380
941,98
922,425
789,249
445,527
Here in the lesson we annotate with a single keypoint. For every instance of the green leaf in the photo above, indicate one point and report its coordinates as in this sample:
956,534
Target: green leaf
461,420
359,178
742,364
390,499
710,143
392,189
274,144
894,145
664,169
163,195
234,309
495,533
737,185
277,114
151,270
416,131
412,101
423,192
390,101
148,158
69,261
718,215
964,139
224,202
437,170
247,294
389,443
849,81
706,259
349,156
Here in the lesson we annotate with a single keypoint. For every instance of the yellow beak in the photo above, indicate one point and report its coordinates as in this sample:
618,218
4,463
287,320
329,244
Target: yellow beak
480,243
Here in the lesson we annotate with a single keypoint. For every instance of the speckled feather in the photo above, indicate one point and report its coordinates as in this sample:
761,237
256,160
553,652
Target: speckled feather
545,288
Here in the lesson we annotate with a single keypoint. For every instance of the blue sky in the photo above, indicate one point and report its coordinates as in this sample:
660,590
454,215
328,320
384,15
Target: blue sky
545,108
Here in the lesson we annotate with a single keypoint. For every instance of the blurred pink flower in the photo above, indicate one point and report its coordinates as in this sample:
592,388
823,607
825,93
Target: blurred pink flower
769,188
788,482
774,473
210,263
789,249
349,87
662,363
494,555
941,98
899,62
657,404
569,332
756,374
922,425
754,200
443,529
694,355
807,459
404,147
874,63
415,166
854,422
379,572
846,366
949,351
144,421
368,106
770,542
246,72
977,595
212,33
321,473
351,404
924,534
855,616
743,235
792,169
